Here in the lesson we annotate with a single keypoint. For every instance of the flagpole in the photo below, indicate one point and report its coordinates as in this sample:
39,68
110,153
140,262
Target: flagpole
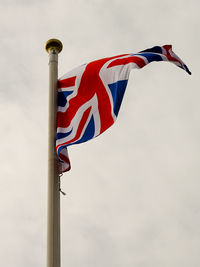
53,47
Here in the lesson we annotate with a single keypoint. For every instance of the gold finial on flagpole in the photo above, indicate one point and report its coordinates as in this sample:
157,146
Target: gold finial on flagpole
53,44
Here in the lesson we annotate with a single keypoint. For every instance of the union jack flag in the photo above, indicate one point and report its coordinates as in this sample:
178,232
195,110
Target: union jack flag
90,96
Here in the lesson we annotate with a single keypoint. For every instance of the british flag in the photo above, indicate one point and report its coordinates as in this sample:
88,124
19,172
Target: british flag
90,96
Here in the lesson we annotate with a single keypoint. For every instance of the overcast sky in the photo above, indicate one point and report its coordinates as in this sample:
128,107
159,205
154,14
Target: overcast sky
133,192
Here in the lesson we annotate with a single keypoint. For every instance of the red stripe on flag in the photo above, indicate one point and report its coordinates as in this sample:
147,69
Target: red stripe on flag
67,82
123,61
170,58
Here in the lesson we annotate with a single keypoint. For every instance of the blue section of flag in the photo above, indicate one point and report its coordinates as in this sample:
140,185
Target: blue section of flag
117,90
62,135
59,149
150,57
62,97
155,49
88,133
186,68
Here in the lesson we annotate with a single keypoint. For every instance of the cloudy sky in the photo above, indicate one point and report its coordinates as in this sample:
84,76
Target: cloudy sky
133,192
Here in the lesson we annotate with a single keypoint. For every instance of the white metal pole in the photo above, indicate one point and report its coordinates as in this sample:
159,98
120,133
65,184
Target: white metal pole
53,47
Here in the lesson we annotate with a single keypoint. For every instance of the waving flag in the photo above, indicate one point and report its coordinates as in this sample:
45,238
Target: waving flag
90,96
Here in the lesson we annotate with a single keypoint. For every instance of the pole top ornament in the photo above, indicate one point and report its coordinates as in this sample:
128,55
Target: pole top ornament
53,44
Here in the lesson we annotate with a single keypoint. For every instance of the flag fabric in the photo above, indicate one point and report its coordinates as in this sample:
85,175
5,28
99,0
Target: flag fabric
90,96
